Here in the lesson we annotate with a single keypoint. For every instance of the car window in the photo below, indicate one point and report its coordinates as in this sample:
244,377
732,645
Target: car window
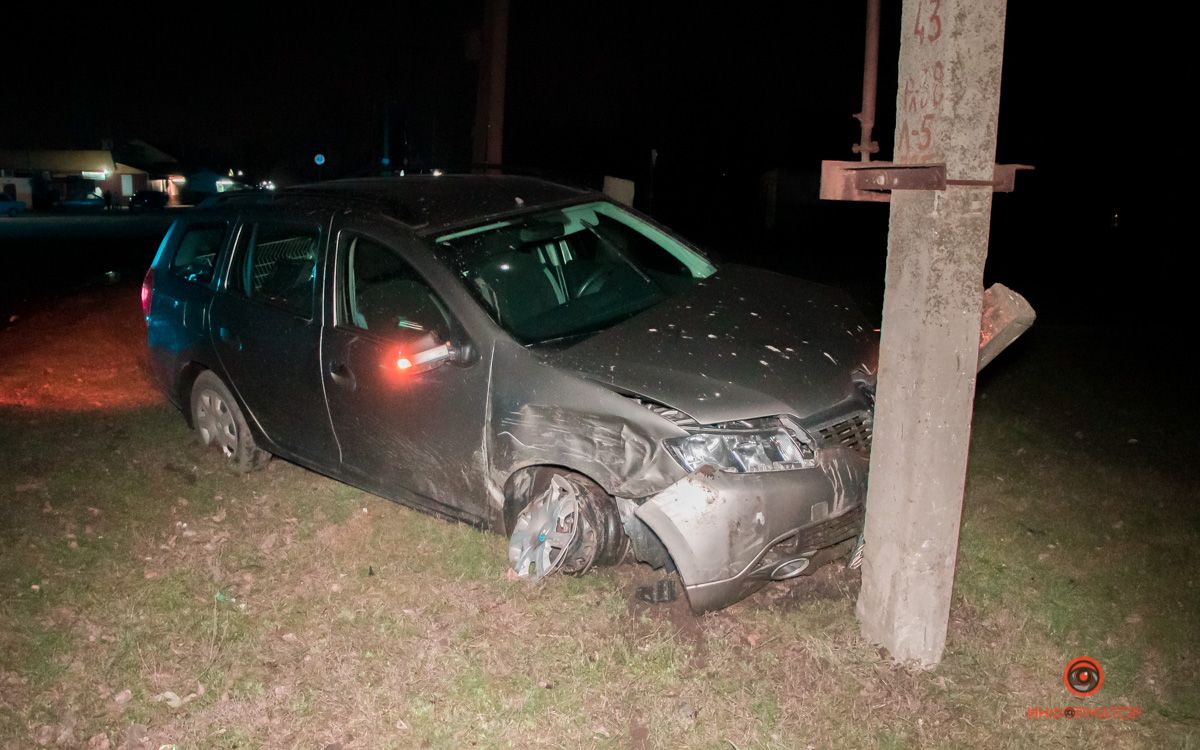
277,264
569,272
383,293
197,254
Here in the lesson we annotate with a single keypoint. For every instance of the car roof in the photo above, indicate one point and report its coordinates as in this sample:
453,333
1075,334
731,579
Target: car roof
427,203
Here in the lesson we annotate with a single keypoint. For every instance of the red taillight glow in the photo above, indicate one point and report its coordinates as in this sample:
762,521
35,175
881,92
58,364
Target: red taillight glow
403,362
147,291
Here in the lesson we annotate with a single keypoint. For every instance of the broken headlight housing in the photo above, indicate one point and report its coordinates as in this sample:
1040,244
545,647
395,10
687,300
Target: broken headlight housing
747,447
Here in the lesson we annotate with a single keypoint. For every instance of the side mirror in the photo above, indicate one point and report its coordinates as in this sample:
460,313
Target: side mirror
433,357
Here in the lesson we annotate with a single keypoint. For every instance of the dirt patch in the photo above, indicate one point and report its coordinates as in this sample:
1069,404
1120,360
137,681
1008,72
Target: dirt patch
63,359
831,583
639,733
676,616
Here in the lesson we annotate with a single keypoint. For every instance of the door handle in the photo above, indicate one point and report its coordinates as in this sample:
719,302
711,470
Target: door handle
342,375
229,337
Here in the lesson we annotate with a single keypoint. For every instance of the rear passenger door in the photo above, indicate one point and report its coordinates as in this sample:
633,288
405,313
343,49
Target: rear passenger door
266,329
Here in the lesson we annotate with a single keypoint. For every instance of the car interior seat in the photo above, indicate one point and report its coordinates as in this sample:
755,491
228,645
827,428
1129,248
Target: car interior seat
290,282
398,303
518,285
284,270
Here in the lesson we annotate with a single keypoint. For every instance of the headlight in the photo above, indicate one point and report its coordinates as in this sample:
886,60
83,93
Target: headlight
742,451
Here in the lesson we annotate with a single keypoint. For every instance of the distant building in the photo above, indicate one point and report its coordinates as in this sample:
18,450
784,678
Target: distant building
207,183
18,188
42,176
163,171
51,174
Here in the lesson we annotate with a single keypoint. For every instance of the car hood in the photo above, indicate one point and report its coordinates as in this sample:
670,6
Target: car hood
741,344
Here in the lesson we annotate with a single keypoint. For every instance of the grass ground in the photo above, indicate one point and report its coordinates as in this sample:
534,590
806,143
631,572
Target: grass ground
150,596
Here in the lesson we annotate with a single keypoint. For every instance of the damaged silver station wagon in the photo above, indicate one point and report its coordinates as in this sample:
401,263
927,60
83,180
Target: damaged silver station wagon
529,358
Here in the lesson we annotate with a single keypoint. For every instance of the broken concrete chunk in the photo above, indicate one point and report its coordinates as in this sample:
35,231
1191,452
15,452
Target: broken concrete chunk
1006,315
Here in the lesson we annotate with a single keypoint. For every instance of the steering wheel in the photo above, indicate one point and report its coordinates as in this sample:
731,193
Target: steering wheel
594,281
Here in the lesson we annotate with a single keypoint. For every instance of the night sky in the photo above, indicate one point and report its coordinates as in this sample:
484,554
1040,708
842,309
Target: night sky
592,87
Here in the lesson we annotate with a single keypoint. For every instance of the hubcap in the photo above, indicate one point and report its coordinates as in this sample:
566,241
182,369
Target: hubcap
215,422
546,531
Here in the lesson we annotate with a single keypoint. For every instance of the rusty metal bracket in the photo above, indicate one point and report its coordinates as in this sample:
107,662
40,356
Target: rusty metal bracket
874,181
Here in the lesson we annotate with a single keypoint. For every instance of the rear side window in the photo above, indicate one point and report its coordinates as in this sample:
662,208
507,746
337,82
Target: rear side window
197,253
277,264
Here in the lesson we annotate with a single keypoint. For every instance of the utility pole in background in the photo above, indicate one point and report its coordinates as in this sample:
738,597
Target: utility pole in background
488,135
946,113
866,117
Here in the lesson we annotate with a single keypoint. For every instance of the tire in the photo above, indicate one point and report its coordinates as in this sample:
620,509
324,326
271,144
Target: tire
219,422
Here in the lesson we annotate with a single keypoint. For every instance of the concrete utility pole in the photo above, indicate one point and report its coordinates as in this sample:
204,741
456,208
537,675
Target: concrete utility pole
488,136
946,111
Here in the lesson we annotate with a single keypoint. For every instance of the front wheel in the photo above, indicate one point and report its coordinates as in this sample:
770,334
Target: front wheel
561,521
219,421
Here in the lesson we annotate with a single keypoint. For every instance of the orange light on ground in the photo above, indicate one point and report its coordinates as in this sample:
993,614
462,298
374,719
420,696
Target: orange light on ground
84,354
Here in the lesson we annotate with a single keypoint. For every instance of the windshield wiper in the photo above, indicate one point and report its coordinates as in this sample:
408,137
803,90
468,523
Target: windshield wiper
563,338
624,313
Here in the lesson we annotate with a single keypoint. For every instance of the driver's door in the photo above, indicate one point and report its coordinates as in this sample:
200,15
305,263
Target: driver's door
406,392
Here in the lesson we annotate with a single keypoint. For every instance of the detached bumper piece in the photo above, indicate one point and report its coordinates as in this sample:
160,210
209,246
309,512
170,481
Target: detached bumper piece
730,534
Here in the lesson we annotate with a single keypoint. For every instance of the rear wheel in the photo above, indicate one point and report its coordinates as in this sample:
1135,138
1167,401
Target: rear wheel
561,521
219,421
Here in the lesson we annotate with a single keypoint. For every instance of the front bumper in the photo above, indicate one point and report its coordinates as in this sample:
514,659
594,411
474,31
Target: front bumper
728,533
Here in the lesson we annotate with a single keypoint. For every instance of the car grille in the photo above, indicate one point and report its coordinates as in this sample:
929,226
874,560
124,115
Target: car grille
824,534
853,432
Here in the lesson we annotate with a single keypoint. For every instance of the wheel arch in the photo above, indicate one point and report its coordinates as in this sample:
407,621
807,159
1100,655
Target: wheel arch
522,483
186,380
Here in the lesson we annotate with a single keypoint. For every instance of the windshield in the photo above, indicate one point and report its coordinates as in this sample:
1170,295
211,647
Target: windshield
570,271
